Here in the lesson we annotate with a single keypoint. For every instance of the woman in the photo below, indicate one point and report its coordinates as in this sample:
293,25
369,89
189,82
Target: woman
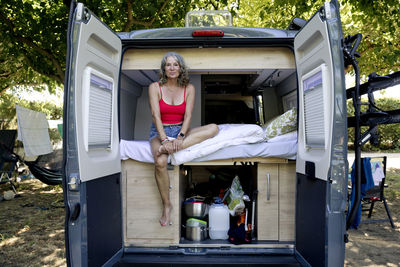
171,102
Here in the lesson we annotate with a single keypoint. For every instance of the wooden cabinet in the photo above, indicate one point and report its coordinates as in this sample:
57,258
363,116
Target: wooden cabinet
276,201
287,201
268,202
143,207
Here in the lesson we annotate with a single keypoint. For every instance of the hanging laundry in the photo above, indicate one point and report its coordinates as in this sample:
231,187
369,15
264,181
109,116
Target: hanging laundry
33,131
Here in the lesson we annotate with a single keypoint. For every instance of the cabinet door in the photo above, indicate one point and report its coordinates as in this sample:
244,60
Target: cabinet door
143,206
267,202
287,201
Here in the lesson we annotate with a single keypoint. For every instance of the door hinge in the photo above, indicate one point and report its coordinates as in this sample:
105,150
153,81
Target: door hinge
82,13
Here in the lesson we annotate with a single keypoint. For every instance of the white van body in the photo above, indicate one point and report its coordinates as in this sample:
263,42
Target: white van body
249,76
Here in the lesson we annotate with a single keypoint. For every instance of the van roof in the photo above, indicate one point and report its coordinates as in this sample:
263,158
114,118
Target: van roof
186,33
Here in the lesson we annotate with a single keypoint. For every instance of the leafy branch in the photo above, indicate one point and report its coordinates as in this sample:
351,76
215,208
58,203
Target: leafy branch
59,77
132,20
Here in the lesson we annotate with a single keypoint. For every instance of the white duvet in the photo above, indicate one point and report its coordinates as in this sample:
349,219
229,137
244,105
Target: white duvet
229,136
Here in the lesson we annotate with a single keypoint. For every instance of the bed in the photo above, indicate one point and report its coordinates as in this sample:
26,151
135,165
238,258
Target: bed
232,141
273,174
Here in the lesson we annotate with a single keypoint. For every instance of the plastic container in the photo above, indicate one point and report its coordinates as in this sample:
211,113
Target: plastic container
218,217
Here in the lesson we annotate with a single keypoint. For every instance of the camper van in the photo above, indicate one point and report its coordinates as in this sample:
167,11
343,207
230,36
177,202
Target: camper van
245,78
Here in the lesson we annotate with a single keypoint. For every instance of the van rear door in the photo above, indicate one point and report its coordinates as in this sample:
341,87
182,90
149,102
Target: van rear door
91,142
321,163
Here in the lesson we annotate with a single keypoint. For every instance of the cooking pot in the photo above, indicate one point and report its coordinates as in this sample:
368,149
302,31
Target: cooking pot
196,230
195,209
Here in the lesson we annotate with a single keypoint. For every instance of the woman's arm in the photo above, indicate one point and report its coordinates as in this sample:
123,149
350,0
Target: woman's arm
154,100
190,97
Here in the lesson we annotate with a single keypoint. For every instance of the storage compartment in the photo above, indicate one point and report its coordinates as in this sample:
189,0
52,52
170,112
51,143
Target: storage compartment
214,184
272,178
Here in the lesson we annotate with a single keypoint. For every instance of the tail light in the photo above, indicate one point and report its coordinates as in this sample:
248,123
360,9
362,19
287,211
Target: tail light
207,33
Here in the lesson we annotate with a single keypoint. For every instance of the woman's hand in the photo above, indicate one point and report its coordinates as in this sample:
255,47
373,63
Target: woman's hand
177,144
169,147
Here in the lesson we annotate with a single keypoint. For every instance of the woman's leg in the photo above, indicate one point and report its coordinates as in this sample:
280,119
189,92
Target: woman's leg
194,136
199,134
162,179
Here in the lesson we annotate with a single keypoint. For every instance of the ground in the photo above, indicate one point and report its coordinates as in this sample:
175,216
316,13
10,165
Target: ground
378,244
32,229
32,226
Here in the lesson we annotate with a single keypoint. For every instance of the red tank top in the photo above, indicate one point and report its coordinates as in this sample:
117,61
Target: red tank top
172,114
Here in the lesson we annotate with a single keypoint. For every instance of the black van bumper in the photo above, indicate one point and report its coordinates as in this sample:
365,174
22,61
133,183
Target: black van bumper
208,257
209,260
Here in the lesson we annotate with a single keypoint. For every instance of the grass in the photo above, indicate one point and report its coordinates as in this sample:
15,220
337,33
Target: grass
32,226
392,192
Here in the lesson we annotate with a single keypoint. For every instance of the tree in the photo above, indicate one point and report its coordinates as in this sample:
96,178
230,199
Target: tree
33,32
377,21
33,42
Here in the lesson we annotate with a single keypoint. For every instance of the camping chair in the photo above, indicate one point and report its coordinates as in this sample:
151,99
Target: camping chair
8,160
376,194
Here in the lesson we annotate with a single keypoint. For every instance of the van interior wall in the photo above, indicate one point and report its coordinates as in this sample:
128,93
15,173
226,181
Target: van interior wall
271,101
288,85
273,97
287,91
130,92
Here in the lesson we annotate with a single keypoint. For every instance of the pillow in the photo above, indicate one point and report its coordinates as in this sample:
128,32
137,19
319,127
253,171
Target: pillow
285,123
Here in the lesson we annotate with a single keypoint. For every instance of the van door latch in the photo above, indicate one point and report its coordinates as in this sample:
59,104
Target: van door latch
74,182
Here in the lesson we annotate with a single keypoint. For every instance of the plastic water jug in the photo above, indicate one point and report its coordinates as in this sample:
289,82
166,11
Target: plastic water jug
218,217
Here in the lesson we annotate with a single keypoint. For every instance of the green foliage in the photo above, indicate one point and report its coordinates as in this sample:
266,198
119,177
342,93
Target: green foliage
393,180
377,21
276,13
389,134
33,32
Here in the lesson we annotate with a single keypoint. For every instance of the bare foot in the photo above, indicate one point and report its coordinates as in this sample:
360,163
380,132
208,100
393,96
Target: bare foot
166,216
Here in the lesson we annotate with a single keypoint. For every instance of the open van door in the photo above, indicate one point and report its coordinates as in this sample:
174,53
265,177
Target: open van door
93,225
321,163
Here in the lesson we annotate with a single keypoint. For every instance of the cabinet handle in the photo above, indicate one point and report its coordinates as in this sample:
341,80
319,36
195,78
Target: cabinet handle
268,187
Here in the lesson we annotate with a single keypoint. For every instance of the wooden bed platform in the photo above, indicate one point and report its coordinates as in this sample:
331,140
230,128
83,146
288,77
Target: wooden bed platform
275,179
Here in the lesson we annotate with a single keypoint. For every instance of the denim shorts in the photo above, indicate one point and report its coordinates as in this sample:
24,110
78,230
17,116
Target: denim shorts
170,131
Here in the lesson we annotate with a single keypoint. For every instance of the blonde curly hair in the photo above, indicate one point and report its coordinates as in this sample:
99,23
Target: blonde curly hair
183,79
